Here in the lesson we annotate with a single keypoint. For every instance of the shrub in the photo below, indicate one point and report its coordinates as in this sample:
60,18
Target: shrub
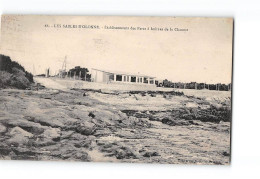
5,79
13,80
12,67
20,82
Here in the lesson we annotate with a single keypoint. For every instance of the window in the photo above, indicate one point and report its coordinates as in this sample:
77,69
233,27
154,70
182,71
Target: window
118,77
145,80
111,77
133,79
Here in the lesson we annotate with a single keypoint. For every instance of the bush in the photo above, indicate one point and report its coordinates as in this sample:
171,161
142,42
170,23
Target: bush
17,72
13,80
12,67
5,79
20,82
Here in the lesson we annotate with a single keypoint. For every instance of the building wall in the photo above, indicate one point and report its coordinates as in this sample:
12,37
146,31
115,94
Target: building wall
105,77
99,76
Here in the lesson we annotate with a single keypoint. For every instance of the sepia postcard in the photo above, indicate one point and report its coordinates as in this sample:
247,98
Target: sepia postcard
116,89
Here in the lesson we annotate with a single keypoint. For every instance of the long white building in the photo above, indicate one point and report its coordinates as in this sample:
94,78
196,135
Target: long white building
105,76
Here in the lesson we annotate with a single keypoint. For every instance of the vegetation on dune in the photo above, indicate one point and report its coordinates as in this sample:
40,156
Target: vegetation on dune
12,74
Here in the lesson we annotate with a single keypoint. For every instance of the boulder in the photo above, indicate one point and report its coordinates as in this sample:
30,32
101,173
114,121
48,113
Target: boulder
2,128
191,105
19,136
52,133
217,106
86,128
19,131
151,154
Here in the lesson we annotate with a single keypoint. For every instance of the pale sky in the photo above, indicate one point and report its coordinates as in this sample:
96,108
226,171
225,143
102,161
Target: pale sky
201,54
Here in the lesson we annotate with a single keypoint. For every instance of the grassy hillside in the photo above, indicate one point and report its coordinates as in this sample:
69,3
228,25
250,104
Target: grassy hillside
13,75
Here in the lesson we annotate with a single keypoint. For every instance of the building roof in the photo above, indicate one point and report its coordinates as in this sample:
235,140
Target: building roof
124,73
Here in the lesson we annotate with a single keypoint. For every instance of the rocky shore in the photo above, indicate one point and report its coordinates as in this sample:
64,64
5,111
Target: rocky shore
134,126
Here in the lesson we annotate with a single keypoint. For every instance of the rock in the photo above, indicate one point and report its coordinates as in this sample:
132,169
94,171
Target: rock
106,117
82,156
204,106
151,154
173,122
24,123
4,149
193,122
25,152
52,133
102,132
226,153
124,153
19,136
91,114
217,106
120,154
86,128
66,134
191,105
126,134
132,120
19,131
166,120
2,129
